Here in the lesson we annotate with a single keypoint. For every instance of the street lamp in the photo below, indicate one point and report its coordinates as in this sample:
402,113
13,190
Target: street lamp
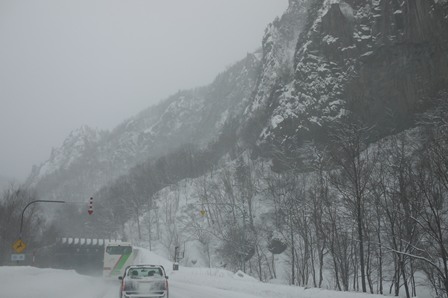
30,203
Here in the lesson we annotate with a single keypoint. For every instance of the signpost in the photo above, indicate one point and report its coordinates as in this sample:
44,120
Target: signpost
19,246
17,257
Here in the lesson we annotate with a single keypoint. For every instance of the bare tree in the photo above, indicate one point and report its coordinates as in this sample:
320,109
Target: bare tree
355,163
432,182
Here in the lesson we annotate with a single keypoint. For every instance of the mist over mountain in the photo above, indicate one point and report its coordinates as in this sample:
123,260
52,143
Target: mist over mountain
5,182
320,62
89,159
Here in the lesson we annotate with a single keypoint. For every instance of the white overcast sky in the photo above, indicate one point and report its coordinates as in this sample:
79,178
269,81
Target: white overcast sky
98,62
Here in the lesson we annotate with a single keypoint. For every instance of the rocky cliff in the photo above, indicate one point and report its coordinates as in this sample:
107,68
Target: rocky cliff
378,61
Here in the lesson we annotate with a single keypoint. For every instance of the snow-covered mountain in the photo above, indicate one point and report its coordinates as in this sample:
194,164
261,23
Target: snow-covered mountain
382,61
89,159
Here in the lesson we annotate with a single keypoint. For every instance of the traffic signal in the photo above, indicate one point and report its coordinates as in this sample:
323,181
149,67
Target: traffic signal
90,211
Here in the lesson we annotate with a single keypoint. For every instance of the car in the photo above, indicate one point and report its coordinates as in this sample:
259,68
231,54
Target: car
144,281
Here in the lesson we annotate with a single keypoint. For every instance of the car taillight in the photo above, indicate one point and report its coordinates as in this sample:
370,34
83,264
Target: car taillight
123,284
166,285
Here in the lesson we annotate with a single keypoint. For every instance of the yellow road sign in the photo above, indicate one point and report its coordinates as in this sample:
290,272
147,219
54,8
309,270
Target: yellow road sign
203,212
19,246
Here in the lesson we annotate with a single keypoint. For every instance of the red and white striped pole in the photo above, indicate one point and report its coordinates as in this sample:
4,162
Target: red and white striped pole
90,211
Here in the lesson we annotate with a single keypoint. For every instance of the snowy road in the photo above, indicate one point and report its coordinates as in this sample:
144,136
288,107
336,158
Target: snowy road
31,282
186,290
181,290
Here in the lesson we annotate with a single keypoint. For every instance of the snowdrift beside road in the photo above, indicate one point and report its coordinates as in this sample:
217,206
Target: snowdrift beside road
31,282
238,282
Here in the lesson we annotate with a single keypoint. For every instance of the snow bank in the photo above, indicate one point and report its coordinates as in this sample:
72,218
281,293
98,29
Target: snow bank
244,284
26,282
240,282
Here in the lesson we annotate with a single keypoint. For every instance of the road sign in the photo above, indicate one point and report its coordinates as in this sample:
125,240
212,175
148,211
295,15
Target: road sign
19,246
203,212
17,257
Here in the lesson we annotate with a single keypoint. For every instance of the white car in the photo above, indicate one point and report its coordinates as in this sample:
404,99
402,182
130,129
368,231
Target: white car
144,281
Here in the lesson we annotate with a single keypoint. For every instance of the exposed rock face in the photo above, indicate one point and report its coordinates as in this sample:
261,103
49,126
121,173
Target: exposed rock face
279,43
381,61
407,61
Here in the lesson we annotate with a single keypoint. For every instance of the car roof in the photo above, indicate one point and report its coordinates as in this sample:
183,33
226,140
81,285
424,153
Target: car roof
145,265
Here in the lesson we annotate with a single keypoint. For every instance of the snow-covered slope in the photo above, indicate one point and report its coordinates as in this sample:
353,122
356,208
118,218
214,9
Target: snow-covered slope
79,142
88,159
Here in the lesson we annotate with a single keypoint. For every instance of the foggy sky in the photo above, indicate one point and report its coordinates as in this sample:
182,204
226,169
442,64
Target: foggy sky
98,62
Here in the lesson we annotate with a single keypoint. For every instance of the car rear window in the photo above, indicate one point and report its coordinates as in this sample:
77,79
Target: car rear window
140,272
